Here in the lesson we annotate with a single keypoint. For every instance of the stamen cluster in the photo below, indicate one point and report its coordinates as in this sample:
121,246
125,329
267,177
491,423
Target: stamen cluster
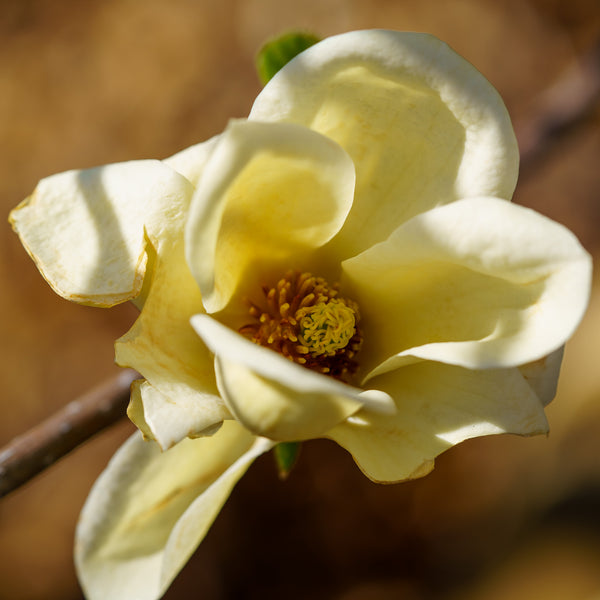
303,318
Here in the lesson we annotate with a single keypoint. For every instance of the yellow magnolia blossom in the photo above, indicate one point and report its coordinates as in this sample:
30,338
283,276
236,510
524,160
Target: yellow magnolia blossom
345,264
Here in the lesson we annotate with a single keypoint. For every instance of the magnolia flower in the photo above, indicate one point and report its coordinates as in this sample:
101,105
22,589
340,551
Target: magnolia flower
344,264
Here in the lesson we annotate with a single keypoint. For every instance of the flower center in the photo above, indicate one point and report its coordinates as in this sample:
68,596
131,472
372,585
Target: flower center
326,327
303,318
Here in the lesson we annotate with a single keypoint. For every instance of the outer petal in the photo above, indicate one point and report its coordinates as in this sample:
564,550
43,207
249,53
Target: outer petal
542,375
191,161
422,126
180,397
479,283
149,510
135,410
270,193
438,406
99,257
277,398
166,421
183,398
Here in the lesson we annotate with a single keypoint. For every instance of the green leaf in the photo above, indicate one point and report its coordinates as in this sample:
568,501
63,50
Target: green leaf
286,455
277,52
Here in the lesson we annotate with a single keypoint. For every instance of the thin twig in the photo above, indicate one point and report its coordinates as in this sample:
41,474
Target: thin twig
29,454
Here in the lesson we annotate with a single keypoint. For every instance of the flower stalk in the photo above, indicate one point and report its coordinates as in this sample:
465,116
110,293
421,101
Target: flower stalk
30,453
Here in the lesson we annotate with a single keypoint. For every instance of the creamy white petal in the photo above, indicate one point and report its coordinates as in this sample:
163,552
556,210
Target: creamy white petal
421,124
180,398
479,283
85,229
149,510
438,406
275,397
169,421
271,194
191,161
183,399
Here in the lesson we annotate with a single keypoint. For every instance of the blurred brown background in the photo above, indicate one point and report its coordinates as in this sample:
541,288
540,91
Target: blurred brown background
86,83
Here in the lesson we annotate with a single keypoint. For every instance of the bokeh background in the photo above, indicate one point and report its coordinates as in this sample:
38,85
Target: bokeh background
87,83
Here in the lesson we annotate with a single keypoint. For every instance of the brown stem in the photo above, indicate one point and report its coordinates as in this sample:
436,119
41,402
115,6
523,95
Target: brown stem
29,454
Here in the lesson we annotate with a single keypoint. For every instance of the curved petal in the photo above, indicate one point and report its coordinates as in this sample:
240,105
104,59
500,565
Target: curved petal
421,124
270,195
149,510
164,348
275,397
135,409
99,257
438,406
190,162
478,283
542,375
166,421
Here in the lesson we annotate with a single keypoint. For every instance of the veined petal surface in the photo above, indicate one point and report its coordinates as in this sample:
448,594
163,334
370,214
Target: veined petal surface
275,397
99,257
438,406
421,124
480,283
271,193
148,511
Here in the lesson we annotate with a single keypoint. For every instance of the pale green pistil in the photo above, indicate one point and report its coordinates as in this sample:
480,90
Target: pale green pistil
326,327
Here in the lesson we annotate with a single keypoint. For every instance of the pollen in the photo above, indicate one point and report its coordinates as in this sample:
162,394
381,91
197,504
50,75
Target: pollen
326,327
303,318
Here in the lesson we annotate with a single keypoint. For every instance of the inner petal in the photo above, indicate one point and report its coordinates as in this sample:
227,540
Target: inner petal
418,163
479,283
181,397
422,126
434,301
271,192
276,397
